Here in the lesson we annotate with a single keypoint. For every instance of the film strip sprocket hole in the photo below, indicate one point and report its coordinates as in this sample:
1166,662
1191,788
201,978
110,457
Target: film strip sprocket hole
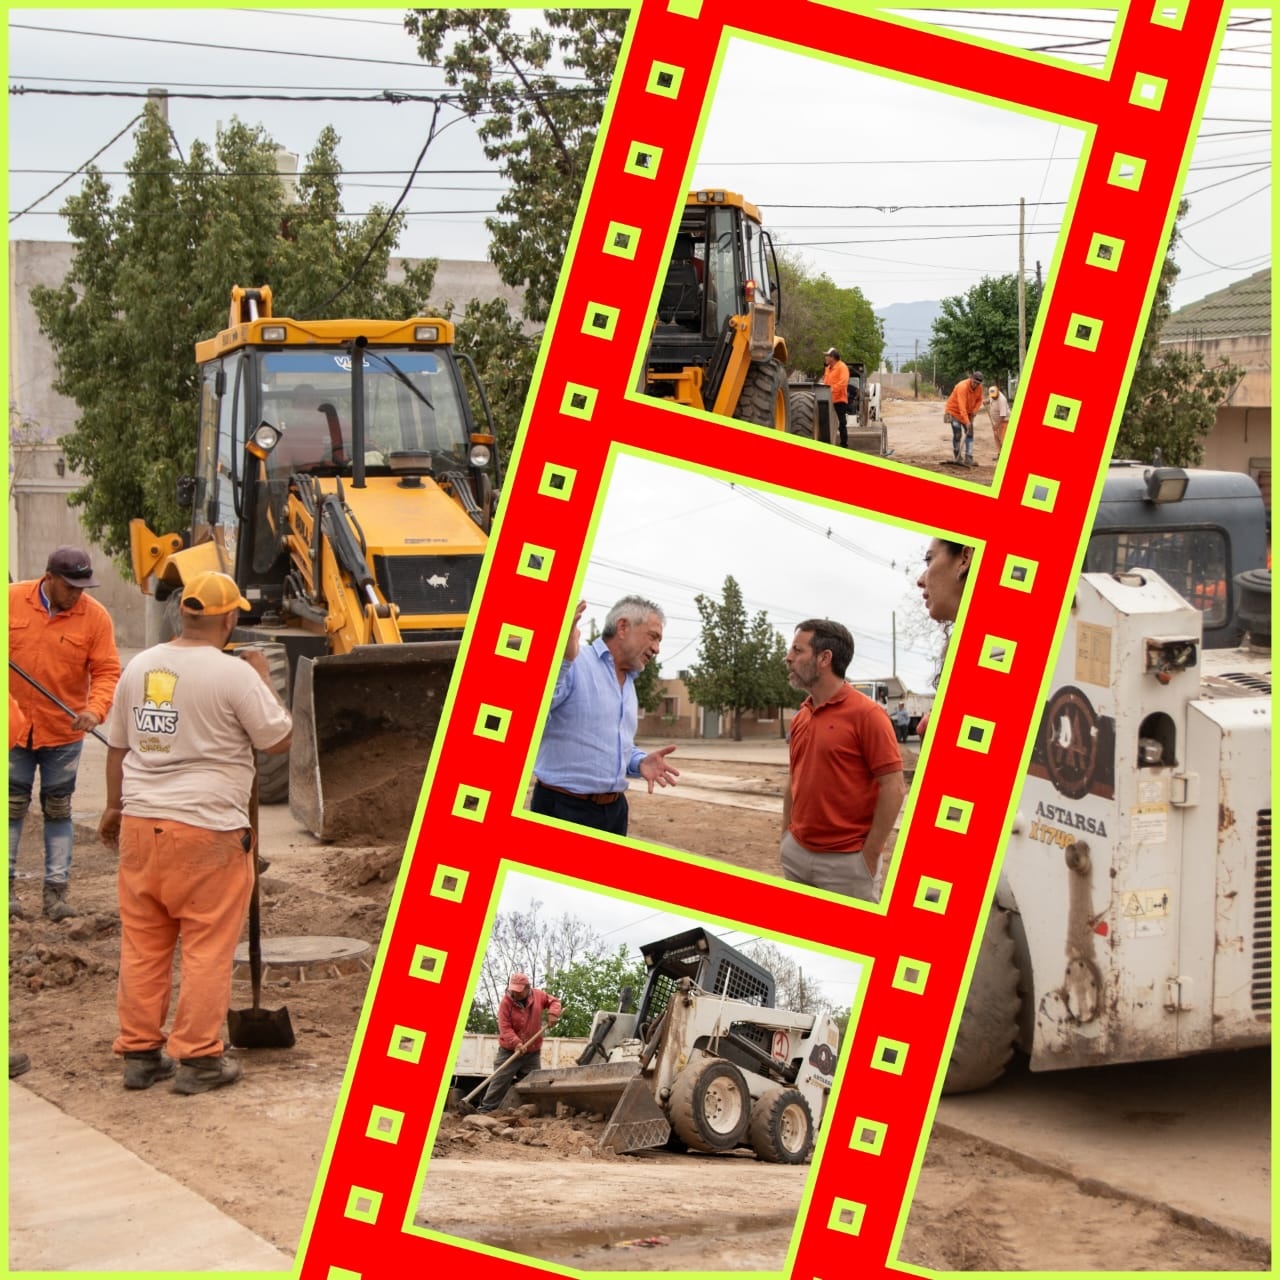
1141,113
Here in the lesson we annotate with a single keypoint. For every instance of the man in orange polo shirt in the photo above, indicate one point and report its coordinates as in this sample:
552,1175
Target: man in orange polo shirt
846,771
64,639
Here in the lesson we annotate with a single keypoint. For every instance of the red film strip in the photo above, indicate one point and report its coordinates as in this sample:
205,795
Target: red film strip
1138,116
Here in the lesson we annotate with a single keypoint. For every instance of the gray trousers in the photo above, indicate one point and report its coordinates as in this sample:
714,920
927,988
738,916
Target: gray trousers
494,1093
844,873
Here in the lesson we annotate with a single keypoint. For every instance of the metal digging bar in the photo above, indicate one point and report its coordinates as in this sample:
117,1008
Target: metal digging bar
35,684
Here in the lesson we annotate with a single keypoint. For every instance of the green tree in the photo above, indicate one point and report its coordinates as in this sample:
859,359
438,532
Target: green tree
1173,396
817,314
738,658
504,355
979,329
540,128
152,273
482,1018
523,940
650,689
593,982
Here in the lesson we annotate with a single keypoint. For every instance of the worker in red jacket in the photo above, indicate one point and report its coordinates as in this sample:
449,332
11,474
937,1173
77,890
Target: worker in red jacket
519,1020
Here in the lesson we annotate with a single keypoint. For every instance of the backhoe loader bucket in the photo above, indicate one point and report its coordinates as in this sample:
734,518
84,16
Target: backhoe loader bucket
614,1089
363,725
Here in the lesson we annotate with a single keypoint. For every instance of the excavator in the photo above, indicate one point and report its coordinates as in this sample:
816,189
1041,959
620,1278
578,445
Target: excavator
345,482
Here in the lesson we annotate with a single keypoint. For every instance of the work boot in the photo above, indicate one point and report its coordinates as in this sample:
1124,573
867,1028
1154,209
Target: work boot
15,906
199,1075
145,1066
56,906
18,1063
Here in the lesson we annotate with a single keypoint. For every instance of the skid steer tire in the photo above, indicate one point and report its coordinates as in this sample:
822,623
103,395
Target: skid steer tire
989,1022
766,397
273,770
781,1127
804,415
710,1106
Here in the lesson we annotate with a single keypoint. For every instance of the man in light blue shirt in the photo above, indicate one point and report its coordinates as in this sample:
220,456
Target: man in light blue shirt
588,749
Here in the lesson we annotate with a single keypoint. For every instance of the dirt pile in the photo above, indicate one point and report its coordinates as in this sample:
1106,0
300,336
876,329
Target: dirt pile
371,789
521,1133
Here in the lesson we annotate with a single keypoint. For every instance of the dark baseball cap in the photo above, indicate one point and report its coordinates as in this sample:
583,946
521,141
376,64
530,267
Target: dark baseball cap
976,375
72,565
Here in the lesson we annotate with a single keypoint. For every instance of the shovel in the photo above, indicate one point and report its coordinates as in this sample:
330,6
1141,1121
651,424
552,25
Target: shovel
52,698
257,1028
464,1107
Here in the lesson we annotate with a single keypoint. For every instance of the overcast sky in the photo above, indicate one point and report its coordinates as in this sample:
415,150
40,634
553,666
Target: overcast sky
632,924
671,534
832,136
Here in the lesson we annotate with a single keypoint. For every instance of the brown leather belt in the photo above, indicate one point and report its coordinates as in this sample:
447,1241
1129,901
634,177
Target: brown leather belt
600,797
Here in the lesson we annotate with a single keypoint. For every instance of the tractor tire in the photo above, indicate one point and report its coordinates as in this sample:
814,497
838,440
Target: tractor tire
989,1022
710,1106
766,397
273,770
781,1127
804,415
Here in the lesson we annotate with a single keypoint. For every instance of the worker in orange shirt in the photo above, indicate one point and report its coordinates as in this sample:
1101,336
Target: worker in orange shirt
962,404
63,639
836,376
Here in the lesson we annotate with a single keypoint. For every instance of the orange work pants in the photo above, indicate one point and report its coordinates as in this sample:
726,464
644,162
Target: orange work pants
177,881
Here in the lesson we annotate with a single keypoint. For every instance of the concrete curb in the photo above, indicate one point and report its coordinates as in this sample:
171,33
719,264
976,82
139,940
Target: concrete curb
79,1201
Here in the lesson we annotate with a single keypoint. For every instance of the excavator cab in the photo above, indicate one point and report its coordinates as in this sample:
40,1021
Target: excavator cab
714,344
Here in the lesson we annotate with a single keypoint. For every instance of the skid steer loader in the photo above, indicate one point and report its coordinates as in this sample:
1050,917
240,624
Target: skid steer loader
714,344
706,1062
342,480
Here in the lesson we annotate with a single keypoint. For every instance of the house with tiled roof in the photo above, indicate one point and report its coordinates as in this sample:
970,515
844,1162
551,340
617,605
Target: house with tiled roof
1234,324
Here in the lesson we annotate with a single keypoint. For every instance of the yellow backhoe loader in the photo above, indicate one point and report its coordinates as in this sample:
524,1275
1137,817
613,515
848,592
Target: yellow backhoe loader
343,481
714,344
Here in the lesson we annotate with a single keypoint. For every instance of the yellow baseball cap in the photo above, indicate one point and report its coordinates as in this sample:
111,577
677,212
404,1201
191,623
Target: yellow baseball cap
212,593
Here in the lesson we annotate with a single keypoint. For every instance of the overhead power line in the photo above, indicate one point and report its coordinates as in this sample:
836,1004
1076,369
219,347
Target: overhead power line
79,169
379,96
206,46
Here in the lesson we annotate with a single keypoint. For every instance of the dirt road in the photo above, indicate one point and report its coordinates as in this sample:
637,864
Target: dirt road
974,1210
971,1204
918,436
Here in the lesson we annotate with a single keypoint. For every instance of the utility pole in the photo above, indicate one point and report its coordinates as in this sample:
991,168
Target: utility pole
1022,284
161,98
915,372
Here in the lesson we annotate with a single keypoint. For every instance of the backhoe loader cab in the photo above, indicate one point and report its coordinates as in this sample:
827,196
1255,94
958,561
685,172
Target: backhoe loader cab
342,481
714,344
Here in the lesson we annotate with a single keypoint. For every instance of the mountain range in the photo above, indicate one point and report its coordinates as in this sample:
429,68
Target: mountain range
904,324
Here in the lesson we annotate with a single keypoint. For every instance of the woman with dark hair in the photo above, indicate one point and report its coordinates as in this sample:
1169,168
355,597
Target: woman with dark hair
946,565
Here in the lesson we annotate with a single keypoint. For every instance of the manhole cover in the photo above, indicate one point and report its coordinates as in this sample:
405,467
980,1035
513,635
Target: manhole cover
306,959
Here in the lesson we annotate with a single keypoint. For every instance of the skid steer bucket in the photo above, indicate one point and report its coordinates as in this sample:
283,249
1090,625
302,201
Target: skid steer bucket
363,725
614,1089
